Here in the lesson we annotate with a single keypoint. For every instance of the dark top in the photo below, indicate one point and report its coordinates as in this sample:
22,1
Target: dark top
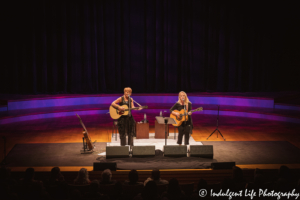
125,102
178,106
126,123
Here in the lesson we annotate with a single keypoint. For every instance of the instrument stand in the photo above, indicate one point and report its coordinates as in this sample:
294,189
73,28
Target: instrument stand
85,149
114,130
218,131
174,133
165,121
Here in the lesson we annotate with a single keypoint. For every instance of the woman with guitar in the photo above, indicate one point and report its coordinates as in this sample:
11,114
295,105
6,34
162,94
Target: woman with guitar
186,127
126,123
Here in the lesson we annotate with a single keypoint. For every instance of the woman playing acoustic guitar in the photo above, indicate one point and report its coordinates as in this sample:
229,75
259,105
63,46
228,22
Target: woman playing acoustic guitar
186,127
126,123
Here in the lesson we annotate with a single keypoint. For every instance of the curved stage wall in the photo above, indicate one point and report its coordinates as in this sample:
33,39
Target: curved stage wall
229,101
251,107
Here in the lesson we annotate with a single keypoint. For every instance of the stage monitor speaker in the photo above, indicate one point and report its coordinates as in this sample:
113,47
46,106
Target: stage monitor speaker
105,165
175,150
117,151
203,151
143,151
222,165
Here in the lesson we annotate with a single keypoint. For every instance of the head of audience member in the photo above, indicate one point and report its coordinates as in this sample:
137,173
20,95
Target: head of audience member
173,187
133,176
150,190
55,174
106,176
237,174
83,177
284,172
29,174
155,174
202,184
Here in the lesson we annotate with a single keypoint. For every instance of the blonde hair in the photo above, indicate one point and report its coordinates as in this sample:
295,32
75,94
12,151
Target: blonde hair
128,89
186,100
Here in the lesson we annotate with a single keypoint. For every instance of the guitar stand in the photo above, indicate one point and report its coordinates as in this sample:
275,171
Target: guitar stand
85,149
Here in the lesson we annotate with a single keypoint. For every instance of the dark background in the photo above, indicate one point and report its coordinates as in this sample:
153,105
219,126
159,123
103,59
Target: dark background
152,46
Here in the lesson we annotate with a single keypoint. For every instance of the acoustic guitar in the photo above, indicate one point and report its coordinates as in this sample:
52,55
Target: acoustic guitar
86,135
183,116
116,114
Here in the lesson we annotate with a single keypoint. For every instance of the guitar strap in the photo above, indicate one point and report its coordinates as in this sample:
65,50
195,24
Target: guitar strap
137,103
133,101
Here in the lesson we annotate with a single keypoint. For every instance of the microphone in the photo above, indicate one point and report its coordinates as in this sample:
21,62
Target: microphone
182,99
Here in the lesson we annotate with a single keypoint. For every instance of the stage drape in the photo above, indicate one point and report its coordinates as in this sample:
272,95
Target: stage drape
148,45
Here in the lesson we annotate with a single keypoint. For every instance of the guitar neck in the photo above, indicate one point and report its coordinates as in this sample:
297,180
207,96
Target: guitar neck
135,108
191,112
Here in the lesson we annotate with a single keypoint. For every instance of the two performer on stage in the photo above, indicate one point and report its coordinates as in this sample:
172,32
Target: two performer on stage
126,123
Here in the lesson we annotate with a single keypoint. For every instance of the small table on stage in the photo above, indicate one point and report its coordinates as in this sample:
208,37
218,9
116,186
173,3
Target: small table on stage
160,130
142,130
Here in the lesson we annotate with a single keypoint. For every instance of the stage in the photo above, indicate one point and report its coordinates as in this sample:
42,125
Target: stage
68,154
259,132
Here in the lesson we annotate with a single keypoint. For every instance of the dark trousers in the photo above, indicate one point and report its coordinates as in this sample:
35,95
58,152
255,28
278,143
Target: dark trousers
184,130
123,140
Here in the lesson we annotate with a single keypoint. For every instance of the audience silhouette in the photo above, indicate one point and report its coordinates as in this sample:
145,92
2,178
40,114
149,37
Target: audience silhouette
155,188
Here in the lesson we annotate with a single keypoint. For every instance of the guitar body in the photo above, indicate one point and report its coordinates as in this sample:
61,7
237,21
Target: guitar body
116,114
88,140
179,119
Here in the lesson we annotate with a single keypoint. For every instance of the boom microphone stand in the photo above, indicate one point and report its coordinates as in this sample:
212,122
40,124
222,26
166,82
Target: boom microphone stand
217,126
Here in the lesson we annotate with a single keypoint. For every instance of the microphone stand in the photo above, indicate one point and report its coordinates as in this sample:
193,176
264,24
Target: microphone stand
129,114
217,129
184,113
129,106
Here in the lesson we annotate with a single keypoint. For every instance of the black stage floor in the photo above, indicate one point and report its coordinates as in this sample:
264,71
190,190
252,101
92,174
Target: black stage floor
68,154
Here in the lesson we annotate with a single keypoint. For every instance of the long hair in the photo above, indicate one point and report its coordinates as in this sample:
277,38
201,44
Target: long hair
186,101
83,177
